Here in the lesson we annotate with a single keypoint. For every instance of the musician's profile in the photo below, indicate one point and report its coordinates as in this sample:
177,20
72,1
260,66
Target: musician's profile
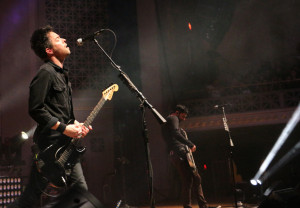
50,105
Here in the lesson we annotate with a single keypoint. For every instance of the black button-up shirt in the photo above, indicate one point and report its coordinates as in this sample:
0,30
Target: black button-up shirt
50,100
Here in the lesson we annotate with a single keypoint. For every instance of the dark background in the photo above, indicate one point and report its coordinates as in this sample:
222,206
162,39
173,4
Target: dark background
234,47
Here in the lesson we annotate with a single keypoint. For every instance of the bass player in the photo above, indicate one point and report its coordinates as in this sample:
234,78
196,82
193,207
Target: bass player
180,149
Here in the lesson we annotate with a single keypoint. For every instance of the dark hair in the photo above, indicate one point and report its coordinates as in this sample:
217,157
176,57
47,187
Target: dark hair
181,109
39,41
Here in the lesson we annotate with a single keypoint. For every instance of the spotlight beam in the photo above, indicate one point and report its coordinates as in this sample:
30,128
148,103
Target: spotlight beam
280,141
283,161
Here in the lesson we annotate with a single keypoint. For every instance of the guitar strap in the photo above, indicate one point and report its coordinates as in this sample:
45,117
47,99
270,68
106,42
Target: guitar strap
184,134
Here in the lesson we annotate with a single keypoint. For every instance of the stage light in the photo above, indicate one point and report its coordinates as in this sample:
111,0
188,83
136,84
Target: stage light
12,149
24,135
259,182
190,26
280,141
253,182
9,193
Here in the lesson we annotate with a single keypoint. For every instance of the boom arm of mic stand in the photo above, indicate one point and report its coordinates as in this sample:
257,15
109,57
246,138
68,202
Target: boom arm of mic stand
144,102
125,79
133,88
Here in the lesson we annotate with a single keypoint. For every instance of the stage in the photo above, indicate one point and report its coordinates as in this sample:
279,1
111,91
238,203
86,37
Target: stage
211,205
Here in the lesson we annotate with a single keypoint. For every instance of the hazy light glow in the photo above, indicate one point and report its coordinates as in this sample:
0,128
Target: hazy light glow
13,17
31,131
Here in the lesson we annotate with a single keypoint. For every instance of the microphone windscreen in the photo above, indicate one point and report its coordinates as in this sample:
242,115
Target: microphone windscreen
79,42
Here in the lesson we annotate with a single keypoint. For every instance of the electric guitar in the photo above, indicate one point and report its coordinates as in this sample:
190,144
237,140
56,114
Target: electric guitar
189,154
190,159
56,162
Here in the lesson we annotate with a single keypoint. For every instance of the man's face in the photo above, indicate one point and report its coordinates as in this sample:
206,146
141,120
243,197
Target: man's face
59,46
182,116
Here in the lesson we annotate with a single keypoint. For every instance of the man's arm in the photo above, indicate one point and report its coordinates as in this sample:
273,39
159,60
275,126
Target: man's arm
39,89
75,130
173,123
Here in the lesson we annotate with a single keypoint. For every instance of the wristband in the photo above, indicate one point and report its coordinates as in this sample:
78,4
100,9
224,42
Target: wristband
61,127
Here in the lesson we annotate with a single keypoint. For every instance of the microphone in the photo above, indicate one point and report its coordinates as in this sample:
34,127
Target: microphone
222,105
89,37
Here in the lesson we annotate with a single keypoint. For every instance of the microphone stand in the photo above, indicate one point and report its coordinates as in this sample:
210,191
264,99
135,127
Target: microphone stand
230,155
144,103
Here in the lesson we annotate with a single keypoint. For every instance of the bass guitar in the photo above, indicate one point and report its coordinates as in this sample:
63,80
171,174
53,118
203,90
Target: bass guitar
189,154
56,162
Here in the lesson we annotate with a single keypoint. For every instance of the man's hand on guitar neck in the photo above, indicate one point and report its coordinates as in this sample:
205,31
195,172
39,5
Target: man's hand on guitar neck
84,129
76,130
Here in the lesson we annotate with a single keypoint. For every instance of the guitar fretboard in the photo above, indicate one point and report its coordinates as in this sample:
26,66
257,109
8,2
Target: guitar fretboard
94,113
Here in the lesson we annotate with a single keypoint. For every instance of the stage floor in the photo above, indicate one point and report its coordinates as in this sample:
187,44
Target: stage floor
211,205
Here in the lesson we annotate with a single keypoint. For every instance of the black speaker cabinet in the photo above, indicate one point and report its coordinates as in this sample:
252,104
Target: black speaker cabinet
285,198
76,198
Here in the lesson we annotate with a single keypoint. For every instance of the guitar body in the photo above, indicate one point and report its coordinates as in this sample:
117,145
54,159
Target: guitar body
50,167
190,160
189,154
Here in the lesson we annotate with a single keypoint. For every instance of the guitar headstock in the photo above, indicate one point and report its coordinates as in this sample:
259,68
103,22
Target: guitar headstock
108,92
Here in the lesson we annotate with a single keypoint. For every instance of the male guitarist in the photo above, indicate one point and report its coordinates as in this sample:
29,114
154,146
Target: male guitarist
180,149
50,105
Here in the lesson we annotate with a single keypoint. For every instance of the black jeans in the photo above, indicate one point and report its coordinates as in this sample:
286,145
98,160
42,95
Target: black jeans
32,193
190,181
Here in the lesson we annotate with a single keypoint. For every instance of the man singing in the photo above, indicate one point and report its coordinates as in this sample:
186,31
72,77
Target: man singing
50,105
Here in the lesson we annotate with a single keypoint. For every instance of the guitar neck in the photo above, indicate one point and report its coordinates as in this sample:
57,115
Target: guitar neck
66,154
94,113
107,95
